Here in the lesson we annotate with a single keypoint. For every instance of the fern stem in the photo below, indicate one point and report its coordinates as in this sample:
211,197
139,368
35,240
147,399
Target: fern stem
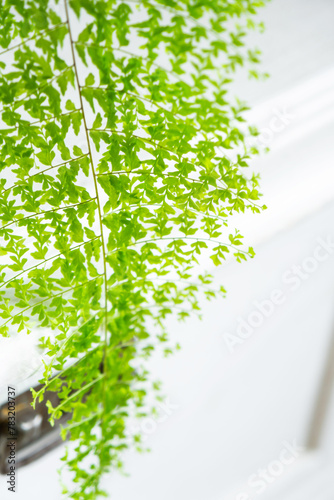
61,372
41,87
41,172
55,117
182,238
219,187
132,54
15,221
178,12
152,205
67,428
97,198
87,386
49,298
76,393
26,40
191,210
47,260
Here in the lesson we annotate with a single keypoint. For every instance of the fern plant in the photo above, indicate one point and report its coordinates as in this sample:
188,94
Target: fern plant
122,158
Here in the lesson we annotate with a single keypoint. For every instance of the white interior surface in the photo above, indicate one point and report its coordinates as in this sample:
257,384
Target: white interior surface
232,412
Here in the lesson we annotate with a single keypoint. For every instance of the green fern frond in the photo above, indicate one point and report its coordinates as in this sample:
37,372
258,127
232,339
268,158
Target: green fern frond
122,158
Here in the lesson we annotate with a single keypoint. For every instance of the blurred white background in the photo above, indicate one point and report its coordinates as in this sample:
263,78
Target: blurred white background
253,416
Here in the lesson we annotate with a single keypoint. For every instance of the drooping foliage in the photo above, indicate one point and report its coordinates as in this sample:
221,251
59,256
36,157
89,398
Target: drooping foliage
122,156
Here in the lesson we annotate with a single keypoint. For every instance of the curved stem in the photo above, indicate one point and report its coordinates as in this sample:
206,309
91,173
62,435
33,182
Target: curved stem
49,298
15,221
26,40
47,260
43,172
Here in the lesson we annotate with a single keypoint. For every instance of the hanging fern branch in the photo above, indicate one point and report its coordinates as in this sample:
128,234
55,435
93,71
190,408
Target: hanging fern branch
122,158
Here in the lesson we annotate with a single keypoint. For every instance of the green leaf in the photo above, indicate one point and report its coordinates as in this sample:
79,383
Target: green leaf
46,157
77,151
98,121
90,79
70,105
